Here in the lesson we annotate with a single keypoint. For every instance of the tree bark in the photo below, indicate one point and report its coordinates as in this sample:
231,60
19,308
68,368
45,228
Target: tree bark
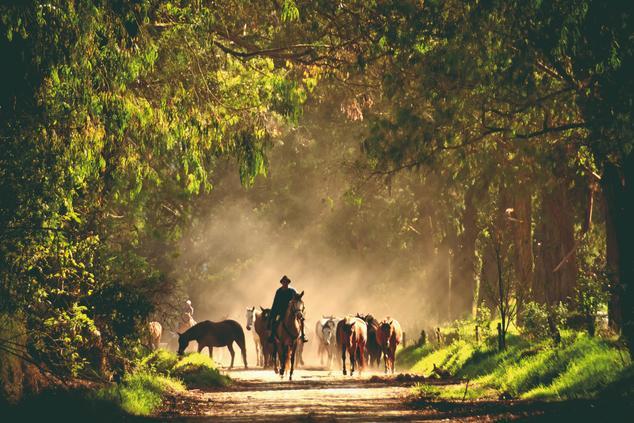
464,274
556,240
523,260
618,188
611,183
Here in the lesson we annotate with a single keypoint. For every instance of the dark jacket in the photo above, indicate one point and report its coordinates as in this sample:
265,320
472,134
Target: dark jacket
283,296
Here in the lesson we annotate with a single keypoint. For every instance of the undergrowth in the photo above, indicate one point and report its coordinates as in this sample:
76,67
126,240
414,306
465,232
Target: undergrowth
140,393
580,367
162,372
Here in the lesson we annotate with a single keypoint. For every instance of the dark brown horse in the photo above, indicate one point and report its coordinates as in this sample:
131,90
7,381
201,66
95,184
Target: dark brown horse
214,334
389,336
352,335
287,335
372,348
261,327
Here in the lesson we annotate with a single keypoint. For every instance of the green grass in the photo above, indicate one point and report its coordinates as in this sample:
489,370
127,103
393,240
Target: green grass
582,367
162,372
199,371
140,393
407,357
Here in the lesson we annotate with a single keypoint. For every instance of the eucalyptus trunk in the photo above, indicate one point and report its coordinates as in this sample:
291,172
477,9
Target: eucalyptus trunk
617,185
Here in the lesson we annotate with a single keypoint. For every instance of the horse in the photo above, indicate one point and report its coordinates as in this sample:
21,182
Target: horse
155,330
186,322
261,327
214,334
288,333
325,329
372,348
389,336
252,316
352,334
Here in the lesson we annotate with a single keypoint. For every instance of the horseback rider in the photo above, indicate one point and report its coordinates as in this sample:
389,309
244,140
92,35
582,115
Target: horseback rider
283,296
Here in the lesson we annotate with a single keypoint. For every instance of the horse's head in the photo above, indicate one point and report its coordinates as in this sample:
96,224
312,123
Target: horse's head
183,342
250,317
296,306
328,331
386,331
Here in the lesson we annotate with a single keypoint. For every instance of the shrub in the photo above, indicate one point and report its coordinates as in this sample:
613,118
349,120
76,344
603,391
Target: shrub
140,393
535,321
199,371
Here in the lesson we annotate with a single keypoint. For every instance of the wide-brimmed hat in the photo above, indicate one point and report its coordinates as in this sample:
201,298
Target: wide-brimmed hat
285,279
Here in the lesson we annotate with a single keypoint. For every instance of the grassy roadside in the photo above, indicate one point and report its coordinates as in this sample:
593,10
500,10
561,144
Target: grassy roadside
581,367
161,373
139,393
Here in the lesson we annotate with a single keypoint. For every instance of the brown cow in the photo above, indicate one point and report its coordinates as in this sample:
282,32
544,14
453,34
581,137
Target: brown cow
389,336
352,334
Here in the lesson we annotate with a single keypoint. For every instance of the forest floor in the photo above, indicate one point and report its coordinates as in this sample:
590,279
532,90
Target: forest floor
319,395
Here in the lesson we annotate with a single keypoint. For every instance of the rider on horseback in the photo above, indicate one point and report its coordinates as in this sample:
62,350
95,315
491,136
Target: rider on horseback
283,296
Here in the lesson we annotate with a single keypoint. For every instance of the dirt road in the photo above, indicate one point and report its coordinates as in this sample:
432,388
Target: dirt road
321,396
313,395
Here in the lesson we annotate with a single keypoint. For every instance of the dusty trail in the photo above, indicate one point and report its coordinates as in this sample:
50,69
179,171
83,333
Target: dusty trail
313,395
321,396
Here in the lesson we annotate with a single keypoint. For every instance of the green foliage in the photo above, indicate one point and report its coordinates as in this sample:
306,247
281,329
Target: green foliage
483,321
591,295
199,371
535,321
113,117
194,370
582,368
140,393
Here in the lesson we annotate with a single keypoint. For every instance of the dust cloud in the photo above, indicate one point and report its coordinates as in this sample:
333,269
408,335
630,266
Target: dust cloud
300,221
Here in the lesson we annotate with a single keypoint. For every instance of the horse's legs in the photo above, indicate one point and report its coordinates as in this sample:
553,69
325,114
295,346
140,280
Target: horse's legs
233,354
257,350
293,351
352,352
200,347
343,358
385,359
211,352
361,354
283,357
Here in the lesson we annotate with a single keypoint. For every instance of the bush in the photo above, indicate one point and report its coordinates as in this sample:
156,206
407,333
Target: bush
535,321
199,371
140,393
160,361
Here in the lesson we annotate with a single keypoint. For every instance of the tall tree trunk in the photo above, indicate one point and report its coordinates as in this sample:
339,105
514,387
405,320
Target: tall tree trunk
610,182
488,279
618,186
464,271
556,242
521,223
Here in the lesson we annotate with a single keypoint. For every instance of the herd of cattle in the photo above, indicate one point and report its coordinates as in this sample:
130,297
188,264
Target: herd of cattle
362,337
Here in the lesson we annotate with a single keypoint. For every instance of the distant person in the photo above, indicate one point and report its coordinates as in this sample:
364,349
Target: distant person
283,296
188,312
